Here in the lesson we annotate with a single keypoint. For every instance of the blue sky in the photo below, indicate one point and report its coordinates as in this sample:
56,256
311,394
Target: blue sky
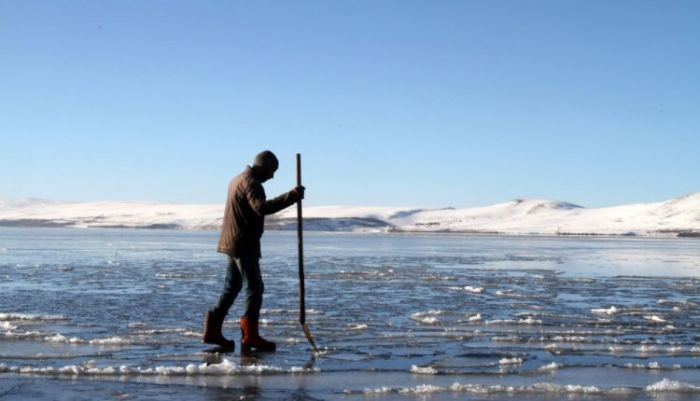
391,103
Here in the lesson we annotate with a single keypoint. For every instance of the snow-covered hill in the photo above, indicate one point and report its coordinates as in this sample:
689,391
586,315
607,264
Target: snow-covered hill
50,213
518,217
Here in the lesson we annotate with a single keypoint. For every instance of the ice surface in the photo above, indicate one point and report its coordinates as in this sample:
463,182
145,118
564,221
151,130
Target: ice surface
397,316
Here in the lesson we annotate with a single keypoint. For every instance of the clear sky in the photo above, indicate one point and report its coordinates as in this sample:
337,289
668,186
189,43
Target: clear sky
391,103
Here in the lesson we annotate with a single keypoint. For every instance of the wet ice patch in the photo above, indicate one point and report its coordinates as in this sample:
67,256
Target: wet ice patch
480,389
226,367
434,312
154,332
506,322
423,389
7,326
468,289
60,338
549,368
568,339
427,318
610,311
655,318
26,335
510,361
647,349
116,340
168,276
678,305
28,317
666,385
652,366
427,370
615,349
373,391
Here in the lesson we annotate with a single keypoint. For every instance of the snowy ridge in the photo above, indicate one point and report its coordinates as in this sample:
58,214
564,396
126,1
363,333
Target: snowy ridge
50,213
678,216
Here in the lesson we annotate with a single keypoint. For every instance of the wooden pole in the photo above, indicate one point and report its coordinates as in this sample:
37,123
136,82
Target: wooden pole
300,241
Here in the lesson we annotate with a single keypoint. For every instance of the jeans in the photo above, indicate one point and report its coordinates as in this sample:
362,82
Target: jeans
243,270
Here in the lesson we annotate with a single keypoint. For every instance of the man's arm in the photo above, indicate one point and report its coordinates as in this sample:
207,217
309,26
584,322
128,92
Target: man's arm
263,207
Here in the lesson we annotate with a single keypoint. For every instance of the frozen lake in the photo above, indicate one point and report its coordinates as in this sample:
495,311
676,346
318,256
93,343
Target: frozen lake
117,314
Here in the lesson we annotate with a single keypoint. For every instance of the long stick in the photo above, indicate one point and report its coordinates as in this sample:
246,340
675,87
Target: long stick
300,240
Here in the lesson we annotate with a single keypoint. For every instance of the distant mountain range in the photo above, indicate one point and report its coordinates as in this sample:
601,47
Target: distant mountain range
675,217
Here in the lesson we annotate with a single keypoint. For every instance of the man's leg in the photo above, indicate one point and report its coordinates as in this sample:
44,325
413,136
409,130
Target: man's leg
232,287
214,319
250,271
249,268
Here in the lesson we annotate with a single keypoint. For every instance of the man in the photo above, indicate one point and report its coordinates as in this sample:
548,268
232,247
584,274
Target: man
244,218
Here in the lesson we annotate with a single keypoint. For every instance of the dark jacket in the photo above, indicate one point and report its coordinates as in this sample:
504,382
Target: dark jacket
244,215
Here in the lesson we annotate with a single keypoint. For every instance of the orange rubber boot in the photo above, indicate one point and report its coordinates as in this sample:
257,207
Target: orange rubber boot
251,338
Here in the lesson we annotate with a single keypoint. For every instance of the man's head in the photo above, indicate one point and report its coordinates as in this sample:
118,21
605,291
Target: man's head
266,162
